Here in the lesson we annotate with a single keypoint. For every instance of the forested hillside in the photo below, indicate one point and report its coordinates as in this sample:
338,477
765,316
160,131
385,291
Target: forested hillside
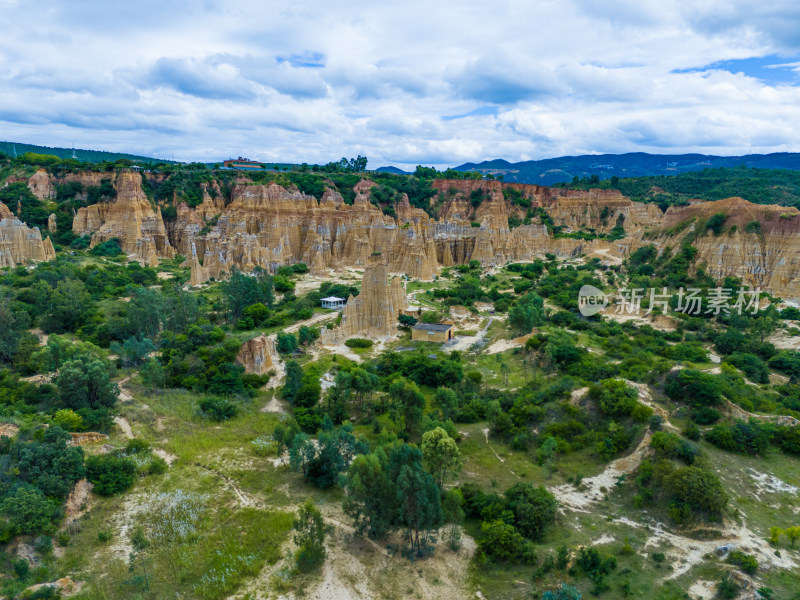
762,186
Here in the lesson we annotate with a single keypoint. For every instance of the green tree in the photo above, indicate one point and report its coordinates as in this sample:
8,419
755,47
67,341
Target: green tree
793,533
10,327
695,490
110,474
774,535
370,496
452,506
447,401
440,454
308,335
293,381
527,313
406,321
502,542
153,375
419,504
321,463
243,290
363,384
133,351
85,382
547,453
534,509
286,343
764,326
408,401
309,537
68,307
68,420
28,510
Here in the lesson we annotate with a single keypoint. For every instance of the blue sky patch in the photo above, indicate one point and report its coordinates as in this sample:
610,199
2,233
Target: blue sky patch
772,69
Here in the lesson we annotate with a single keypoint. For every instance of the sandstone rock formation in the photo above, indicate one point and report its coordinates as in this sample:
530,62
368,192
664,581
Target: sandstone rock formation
256,354
766,257
52,226
41,185
131,219
20,243
373,313
268,226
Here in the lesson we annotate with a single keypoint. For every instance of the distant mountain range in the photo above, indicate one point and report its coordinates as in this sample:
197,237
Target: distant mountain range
636,164
393,170
90,156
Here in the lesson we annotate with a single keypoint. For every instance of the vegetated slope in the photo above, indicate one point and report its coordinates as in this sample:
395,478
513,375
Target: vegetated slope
636,164
564,480
90,156
762,186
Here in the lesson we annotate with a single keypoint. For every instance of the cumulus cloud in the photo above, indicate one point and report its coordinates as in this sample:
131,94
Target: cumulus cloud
434,84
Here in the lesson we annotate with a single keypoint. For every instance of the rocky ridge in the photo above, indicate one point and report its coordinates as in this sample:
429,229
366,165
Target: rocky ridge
268,226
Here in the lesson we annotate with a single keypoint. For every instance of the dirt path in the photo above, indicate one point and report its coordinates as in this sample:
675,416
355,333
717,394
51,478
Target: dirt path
320,318
737,412
502,460
123,424
464,343
593,489
343,350
503,345
124,394
244,500
687,552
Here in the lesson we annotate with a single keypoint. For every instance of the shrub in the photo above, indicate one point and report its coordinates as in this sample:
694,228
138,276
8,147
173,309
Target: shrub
746,562
534,509
157,466
614,397
108,248
742,437
110,474
28,510
217,409
751,365
694,387
695,490
104,536
68,420
358,343
502,542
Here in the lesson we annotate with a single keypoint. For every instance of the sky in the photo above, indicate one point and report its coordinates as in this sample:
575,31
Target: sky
419,82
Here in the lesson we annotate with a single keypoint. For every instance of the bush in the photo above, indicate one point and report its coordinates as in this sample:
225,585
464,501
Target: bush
358,343
695,490
614,397
217,409
751,365
534,509
746,562
157,466
108,248
110,474
694,387
68,420
743,437
502,542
